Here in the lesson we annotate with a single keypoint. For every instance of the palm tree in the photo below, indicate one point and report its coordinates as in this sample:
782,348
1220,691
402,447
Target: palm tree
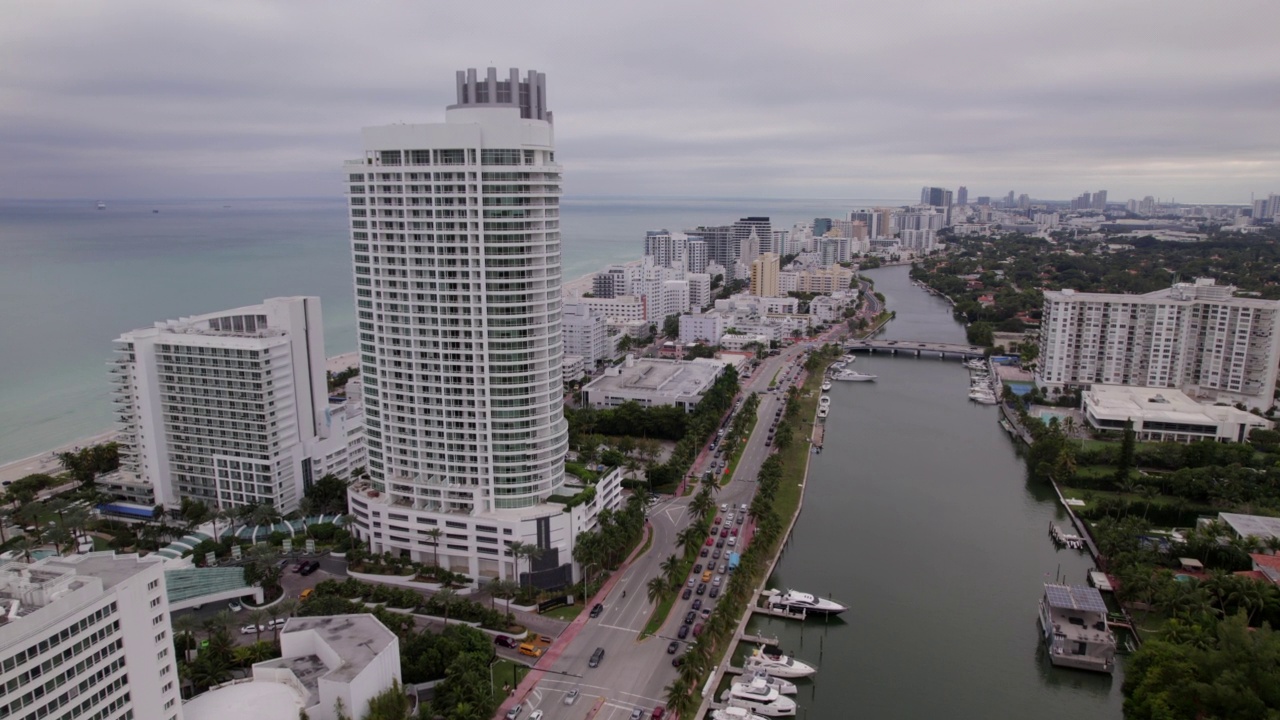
186,624
446,596
658,589
1148,493
672,570
434,534
505,589
525,550
689,539
259,617
679,701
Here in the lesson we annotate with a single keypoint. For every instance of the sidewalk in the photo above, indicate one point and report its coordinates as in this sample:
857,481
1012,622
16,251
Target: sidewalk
557,648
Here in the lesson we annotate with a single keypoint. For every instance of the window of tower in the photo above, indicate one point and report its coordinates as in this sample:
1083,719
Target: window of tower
500,157
389,157
450,157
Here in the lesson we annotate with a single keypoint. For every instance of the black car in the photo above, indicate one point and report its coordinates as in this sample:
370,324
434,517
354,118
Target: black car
506,641
596,610
720,543
687,592
702,589
697,569
689,617
311,567
715,591
677,661
596,657
703,553
672,647
697,604
683,632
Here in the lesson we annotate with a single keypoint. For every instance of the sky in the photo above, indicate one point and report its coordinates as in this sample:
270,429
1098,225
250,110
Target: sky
872,99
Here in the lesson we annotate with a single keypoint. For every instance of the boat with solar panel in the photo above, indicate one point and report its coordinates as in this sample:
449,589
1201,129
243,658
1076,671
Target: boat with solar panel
758,697
777,663
794,601
1073,622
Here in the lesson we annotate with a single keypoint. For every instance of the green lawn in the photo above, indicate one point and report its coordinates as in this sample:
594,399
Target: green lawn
1157,501
502,672
726,476
567,613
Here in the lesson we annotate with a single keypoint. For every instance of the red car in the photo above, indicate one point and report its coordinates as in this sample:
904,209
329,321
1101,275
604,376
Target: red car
724,532
659,712
710,541
717,522
734,532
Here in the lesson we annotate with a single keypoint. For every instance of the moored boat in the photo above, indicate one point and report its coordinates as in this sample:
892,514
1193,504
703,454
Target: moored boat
795,601
853,376
734,713
777,663
759,697
786,687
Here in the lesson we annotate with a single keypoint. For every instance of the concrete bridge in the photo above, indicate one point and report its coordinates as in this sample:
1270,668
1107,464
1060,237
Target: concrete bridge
911,347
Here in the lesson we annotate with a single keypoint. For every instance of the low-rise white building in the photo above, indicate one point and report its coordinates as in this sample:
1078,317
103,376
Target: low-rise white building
707,328
617,309
654,382
87,636
1166,415
326,663
741,341
585,333
573,367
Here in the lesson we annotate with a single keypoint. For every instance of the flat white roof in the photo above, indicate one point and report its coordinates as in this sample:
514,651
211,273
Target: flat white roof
1259,526
661,378
1122,402
254,700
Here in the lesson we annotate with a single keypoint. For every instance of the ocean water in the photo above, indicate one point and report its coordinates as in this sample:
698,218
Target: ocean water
72,278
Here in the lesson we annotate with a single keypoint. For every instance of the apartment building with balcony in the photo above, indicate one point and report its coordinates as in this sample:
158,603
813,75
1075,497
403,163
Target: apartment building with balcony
1198,337
230,408
455,236
87,636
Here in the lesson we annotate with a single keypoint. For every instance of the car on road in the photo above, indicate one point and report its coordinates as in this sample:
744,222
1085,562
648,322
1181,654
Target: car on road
298,568
715,592
284,563
659,712
711,565
723,568
724,507
306,593
743,507
683,632
596,610
719,543
596,657
724,532
514,712
718,519
697,568
697,630
702,589
716,581
716,554
739,520
571,697
637,714
672,647
711,541
506,641
706,613
689,617
687,592
704,552
537,715
311,567
734,532
677,661
697,604
692,580
252,629
235,606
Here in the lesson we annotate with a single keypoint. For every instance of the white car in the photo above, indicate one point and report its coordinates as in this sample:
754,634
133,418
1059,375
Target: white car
235,606
252,629
724,507
537,715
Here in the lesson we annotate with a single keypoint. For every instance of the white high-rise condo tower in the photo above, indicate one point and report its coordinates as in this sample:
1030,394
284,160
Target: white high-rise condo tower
455,237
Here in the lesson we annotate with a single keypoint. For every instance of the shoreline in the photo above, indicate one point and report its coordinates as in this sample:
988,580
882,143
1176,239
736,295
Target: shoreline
47,462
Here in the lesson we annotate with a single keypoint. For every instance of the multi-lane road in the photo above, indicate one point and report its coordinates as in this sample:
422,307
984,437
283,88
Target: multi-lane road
634,672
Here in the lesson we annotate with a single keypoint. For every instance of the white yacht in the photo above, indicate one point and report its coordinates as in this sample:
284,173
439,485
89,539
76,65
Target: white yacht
823,412
793,601
826,386
734,713
102,205
786,687
825,400
853,376
759,698
777,664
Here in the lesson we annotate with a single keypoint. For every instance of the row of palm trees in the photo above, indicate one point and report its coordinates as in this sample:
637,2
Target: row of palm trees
615,535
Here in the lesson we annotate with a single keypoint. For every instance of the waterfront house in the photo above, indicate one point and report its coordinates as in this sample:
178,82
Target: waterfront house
1074,621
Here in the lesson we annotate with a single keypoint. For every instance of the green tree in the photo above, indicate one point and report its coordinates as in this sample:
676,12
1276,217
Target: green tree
390,704
671,326
329,495
1124,464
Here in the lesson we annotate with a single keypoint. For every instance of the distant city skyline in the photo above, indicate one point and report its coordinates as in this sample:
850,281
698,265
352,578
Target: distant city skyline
143,99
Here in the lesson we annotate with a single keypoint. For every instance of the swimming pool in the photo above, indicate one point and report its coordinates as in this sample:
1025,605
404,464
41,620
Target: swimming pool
1048,415
1020,388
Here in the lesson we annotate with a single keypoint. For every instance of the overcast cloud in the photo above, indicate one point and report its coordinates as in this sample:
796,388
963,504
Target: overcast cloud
706,98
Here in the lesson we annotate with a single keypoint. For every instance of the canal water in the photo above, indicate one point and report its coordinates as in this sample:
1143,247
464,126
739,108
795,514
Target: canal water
918,515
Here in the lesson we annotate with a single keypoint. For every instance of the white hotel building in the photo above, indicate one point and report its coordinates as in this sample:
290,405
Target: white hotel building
455,233
230,408
1195,337
87,637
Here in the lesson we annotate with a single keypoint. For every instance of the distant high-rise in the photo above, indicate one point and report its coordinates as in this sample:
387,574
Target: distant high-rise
984,200
764,275
743,230
935,196
1008,199
1100,200
455,232
962,195
821,226
719,242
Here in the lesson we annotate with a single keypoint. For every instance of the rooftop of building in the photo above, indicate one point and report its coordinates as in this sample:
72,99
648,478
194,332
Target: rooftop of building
669,378
1202,290
1259,526
357,639
253,700
28,587
1163,405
